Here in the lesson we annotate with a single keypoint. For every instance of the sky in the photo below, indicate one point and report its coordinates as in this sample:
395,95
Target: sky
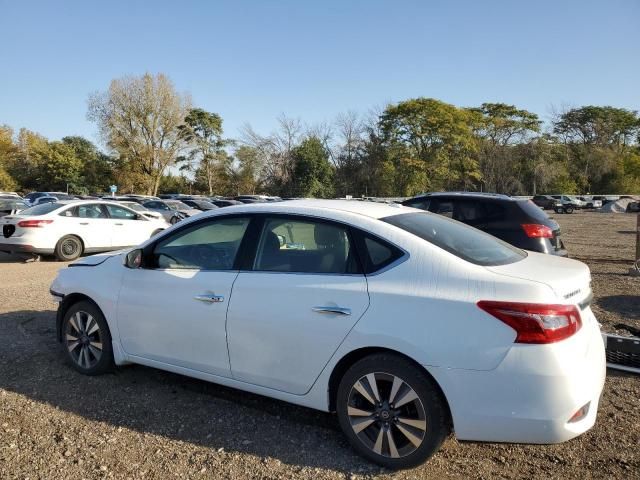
251,61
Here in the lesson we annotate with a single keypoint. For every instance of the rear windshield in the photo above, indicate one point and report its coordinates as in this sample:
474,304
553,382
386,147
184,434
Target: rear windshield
41,209
457,238
534,211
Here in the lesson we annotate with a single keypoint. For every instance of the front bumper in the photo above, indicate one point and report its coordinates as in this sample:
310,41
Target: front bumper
531,396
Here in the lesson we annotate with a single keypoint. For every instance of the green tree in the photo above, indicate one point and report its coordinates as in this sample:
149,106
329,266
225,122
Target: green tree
312,171
97,168
439,135
499,129
8,152
59,168
204,131
595,138
139,119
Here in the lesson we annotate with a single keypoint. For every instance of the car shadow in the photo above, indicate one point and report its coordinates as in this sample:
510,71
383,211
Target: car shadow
152,401
626,305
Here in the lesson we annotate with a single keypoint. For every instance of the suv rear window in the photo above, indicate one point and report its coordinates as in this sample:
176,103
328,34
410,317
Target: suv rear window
534,211
457,238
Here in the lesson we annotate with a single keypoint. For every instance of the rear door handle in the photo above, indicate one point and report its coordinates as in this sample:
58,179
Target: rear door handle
336,310
208,298
84,223
119,224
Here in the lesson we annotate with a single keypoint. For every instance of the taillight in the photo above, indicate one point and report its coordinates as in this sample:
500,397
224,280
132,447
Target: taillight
536,323
534,230
34,223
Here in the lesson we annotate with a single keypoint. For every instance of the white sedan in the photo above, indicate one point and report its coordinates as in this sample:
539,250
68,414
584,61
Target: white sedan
405,323
67,229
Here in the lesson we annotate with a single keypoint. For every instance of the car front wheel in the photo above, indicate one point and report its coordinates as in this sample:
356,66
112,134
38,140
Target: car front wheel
391,411
86,339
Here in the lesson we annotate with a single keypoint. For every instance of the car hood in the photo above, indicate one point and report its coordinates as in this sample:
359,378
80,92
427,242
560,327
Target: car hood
99,259
569,279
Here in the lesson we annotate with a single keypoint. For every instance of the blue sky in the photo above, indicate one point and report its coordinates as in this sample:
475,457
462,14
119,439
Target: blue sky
250,61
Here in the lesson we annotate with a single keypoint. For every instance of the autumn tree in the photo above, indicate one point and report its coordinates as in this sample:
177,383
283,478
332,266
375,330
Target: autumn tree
139,119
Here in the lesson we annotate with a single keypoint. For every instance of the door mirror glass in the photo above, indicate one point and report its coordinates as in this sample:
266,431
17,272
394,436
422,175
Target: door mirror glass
134,259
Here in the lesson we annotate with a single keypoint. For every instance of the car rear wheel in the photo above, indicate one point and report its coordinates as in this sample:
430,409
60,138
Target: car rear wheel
86,339
68,248
391,411
568,210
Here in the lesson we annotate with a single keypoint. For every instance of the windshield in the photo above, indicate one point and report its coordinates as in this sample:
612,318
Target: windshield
457,238
134,206
41,209
175,205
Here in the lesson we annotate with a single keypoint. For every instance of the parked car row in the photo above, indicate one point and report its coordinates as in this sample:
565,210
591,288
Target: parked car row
70,228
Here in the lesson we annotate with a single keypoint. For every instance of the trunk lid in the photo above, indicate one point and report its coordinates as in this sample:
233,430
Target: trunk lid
569,279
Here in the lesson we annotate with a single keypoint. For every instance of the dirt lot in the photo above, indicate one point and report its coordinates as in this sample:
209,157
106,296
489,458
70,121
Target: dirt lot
143,423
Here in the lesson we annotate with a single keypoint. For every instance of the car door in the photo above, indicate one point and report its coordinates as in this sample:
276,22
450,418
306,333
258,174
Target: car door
127,227
173,309
295,303
90,222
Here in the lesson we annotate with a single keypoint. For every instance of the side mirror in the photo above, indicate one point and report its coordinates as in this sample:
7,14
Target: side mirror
134,259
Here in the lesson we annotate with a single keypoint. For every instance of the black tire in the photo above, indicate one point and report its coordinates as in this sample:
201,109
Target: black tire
86,339
68,248
175,219
428,411
568,210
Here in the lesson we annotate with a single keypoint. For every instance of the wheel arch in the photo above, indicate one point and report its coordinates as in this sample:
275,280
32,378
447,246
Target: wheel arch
352,357
67,302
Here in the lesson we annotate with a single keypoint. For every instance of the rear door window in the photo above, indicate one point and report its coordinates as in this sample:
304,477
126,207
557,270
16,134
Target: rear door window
298,245
92,210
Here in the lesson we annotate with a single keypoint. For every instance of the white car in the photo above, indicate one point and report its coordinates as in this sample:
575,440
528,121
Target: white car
405,323
67,229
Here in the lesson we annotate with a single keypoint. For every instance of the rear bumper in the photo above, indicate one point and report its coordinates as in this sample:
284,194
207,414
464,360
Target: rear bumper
531,396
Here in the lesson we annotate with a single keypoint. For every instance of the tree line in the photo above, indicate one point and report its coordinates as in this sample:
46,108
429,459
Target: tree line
157,141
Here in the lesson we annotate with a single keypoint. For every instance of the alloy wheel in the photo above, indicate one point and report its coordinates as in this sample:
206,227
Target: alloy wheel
387,415
83,339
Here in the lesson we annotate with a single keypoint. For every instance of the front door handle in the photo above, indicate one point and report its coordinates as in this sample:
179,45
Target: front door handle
337,310
209,298
84,223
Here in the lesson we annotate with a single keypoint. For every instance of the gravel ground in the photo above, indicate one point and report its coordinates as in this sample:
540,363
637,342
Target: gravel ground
139,422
